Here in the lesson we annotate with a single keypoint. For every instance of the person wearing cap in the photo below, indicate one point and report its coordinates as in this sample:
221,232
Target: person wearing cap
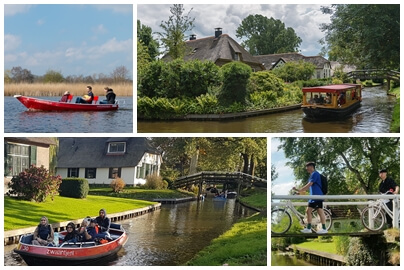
65,97
314,185
388,185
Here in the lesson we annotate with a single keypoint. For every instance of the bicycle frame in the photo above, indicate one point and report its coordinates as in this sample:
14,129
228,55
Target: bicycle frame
300,216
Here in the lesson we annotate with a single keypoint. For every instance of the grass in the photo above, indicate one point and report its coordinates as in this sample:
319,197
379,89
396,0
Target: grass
142,194
395,123
57,89
254,197
245,244
328,247
21,214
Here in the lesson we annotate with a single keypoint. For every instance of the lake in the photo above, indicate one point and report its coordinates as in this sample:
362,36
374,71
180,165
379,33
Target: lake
17,119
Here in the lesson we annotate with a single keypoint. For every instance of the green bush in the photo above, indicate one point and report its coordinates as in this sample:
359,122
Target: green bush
235,80
74,188
35,183
294,71
265,81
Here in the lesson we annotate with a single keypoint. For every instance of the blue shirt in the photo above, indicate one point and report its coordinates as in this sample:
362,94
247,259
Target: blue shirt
315,188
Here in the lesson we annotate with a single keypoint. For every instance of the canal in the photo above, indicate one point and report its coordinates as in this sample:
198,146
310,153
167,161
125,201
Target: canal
374,116
171,235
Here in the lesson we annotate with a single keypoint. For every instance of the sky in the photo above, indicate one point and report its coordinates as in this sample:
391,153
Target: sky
286,180
71,39
303,18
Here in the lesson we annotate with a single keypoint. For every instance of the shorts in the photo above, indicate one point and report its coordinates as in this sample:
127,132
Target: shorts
316,204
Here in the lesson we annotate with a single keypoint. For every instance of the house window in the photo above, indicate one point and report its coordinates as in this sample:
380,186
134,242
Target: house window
117,148
237,56
17,160
114,173
73,172
90,173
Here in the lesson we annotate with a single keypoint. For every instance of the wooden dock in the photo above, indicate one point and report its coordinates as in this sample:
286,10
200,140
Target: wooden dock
320,257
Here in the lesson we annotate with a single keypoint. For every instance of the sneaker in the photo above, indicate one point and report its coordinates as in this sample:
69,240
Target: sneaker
322,231
305,230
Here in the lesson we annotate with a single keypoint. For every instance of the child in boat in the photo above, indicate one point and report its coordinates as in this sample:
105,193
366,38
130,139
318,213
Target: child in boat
65,97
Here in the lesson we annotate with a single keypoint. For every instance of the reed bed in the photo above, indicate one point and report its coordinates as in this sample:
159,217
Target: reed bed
57,89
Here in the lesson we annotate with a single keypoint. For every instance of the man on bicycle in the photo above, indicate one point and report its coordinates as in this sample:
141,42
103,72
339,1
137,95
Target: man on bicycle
388,185
314,184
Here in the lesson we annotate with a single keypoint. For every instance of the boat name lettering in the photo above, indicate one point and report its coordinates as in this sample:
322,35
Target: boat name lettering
60,252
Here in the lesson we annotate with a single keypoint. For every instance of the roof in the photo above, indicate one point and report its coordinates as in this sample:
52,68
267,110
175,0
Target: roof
92,152
37,141
214,49
270,60
330,88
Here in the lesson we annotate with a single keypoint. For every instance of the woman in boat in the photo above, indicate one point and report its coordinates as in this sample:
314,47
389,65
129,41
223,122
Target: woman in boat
110,95
43,234
65,97
103,223
72,235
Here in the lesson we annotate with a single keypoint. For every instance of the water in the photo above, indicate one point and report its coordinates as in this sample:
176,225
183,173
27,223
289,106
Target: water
374,116
172,235
283,259
17,119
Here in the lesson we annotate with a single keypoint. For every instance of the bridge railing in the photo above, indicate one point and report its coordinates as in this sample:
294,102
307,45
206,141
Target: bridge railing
368,198
374,73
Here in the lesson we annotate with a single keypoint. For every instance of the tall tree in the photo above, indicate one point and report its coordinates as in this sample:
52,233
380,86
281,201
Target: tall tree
351,163
20,75
366,35
145,36
173,34
267,36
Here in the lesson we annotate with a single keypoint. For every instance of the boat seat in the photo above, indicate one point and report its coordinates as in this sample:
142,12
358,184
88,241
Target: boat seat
95,99
69,98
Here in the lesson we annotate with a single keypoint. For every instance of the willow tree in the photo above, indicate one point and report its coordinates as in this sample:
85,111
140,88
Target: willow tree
350,163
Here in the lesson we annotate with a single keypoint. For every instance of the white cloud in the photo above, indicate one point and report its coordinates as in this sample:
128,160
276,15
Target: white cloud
100,29
11,42
282,188
40,22
11,10
123,9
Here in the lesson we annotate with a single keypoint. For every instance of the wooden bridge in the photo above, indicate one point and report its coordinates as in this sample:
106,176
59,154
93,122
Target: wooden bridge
225,178
375,74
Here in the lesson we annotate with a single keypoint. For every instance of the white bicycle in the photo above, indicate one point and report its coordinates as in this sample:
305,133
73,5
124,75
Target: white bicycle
373,217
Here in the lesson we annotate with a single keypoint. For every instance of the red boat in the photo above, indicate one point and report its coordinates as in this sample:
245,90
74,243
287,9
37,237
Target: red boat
80,253
36,104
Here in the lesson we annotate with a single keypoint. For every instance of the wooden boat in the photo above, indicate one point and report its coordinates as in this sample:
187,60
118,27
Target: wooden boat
332,101
36,104
219,199
80,253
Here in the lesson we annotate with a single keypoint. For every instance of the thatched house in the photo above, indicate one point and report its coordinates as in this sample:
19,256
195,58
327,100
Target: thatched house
100,160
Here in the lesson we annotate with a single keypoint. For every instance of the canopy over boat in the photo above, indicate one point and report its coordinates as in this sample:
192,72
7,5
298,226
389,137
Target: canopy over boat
36,104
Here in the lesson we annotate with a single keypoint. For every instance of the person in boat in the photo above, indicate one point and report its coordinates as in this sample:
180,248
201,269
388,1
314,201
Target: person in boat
110,95
86,99
328,98
83,235
72,236
43,234
341,99
65,97
103,223
316,99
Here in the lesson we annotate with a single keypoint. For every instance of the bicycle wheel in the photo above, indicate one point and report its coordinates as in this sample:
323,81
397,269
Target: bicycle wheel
373,218
280,221
316,221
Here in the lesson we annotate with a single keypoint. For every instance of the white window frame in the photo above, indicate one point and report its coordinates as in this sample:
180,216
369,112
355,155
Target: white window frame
117,151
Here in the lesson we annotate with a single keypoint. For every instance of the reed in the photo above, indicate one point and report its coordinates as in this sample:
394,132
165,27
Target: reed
57,89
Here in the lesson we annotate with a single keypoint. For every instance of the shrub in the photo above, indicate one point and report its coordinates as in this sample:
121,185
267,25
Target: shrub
264,81
35,183
74,188
154,181
235,80
294,71
117,185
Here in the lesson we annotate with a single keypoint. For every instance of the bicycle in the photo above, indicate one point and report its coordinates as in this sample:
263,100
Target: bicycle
373,217
281,219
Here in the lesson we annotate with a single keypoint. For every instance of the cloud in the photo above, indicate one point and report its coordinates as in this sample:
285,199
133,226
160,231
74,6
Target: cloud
11,10
11,42
40,22
100,29
282,188
122,9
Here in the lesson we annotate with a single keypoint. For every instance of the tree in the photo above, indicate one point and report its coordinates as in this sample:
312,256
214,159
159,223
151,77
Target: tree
173,31
144,35
20,75
350,163
365,35
120,74
235,80
267,36
52,76
295,71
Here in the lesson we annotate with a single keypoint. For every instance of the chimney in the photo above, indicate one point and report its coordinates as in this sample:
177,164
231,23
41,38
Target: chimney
218,32
192,37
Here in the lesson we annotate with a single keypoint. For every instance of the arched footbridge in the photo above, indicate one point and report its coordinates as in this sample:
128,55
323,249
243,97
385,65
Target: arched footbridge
225,178
378,74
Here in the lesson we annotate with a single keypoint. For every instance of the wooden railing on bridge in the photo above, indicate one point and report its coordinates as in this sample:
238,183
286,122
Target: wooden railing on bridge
209,177
371,74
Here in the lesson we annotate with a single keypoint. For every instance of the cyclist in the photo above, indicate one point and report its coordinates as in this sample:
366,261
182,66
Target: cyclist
314,185
388,185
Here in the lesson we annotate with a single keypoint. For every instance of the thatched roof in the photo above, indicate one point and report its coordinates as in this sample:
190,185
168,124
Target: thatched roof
92,152
271,60
37,141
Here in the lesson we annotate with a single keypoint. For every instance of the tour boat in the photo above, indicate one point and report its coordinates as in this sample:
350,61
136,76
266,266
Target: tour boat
36,104
332,101
79,253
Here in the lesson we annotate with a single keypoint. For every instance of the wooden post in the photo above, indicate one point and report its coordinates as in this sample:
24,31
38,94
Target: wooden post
388,84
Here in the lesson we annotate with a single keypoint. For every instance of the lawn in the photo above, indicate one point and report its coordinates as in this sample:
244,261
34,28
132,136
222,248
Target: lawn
21,214
328,247
245,244
254,197
142,194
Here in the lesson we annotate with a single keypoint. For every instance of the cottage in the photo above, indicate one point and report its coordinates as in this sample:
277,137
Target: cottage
220,49
272,61
100,160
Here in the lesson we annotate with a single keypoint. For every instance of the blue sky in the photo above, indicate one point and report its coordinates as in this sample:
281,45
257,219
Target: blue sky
303,18
286,180
72,39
